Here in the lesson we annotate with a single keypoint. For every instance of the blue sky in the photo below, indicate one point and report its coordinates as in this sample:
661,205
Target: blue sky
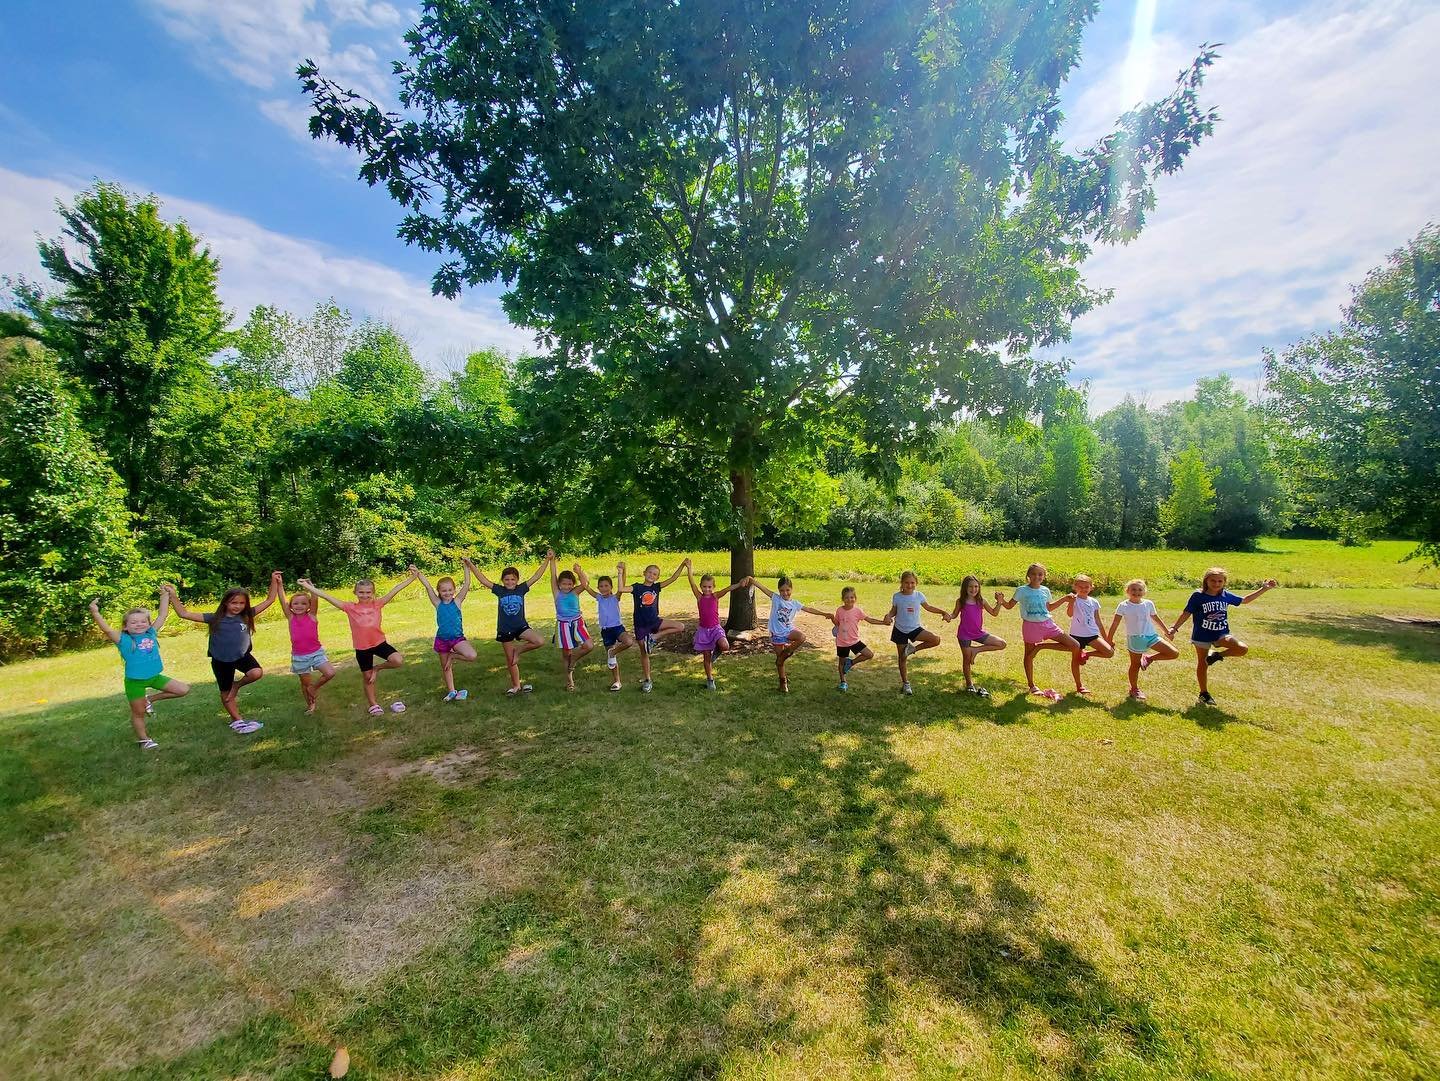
1325,160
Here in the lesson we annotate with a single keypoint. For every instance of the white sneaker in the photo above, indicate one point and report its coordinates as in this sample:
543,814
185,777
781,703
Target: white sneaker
910,648
610,662
709,684
148,744
246,727
397,707
615,686
905,688
646,686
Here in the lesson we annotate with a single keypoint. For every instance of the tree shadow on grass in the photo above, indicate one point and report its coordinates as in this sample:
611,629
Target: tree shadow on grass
1407,641
699,869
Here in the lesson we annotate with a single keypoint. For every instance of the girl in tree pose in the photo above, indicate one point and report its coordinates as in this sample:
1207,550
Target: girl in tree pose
1037,628
710,640
1085,629
366,634
1145,646
613,634
450,639
569,622
970,608
909,637
308,658
145,680
1210,606
512,631
232,635
650,626
785,637
849,650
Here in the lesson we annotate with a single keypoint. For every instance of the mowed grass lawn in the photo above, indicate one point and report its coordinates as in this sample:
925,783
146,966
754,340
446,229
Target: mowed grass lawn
738,884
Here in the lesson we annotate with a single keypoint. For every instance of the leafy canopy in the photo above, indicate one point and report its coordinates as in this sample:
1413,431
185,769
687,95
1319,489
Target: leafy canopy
753,225
1358,410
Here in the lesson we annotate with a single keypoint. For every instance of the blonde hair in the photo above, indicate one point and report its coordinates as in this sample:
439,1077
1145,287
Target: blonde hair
135,612
1084,578
443,581
1214,572
1135,582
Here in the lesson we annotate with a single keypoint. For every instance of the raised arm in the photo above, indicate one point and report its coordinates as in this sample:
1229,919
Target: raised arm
1001,602
547,562
180,609
315,591
419,576
1068,600
620,577
584,581
105,628
690,574
992,609
276,582
404,583
753,581
479,574
164,612
464,590
554,580
1265,587
684,566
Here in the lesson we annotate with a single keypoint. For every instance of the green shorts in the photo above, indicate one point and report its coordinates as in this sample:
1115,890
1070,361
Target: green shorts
136,688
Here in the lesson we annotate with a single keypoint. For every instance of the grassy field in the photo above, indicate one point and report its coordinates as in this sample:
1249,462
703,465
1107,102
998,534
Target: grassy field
740,885
1296,563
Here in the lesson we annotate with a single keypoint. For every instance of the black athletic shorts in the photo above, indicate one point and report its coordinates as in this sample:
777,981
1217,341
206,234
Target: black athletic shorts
845,651
900,637
365,658
1084,639
225,670
512,636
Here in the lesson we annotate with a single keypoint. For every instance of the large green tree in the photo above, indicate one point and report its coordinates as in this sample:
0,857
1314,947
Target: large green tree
1357,410
740,227
135,318
64,531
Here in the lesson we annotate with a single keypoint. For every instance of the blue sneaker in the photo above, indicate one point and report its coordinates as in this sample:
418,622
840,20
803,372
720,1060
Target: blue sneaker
849,664
460,696
844,686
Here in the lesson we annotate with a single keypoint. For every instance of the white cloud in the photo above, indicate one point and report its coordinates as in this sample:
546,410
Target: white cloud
260,266
260,43
1324,162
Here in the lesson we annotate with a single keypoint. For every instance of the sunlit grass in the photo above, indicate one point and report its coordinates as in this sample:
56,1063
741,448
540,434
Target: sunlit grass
739,885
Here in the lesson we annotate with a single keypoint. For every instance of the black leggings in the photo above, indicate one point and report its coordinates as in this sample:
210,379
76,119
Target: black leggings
225,670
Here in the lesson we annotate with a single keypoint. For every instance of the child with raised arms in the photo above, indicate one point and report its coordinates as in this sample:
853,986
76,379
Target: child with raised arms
1085,629
366,634
710,640
649,624
450,640
308,658
138,641
1210,607
569,622
512,630
1145,646
232,635
1037,629
970,608
785,638
849,649
909,637
613,635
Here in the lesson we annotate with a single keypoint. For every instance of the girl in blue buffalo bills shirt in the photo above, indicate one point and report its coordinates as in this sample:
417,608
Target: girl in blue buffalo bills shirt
1210,607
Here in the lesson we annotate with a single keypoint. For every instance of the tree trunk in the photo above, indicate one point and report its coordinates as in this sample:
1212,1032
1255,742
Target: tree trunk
742,552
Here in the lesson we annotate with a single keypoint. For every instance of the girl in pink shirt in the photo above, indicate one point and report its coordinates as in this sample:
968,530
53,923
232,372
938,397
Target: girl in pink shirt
308,659
971,607
849,650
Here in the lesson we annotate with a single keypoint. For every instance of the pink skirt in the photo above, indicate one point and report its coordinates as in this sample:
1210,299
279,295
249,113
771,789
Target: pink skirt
707,638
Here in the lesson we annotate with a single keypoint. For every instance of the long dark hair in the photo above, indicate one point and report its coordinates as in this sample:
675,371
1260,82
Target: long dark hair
965,590
248,615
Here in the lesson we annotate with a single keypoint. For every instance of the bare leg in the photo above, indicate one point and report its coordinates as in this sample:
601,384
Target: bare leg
368,681
447,669
512,663
137,719
1202,669
1030,650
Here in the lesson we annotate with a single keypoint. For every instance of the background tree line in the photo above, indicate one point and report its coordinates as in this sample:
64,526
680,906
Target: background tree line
151,438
